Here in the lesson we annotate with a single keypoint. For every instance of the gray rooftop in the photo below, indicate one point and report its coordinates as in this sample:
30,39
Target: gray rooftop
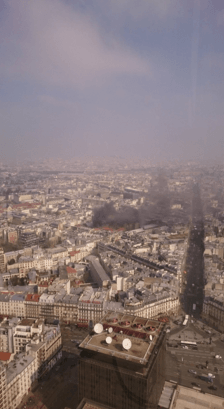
15,367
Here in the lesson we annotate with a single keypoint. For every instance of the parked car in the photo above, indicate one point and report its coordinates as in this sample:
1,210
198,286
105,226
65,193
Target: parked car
213,387
192,371
195,384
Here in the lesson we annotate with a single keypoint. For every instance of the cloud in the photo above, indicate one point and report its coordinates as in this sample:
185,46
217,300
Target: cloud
51,43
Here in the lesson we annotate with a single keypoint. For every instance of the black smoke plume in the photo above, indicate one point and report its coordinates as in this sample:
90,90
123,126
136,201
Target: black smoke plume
108,215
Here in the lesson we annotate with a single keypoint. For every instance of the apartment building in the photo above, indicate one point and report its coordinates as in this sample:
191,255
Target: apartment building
17,305
4,304
28,238
213,312
20,374
2,260
153,307
12,236
46,349
7,330
3,388
4,340
32,306
91,305
24,332
41,350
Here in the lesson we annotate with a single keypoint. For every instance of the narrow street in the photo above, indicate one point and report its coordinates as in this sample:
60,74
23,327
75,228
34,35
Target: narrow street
194,271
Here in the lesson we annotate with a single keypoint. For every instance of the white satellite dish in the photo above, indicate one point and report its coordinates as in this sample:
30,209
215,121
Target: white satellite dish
126,344
98,328
150,336
108,340
110,330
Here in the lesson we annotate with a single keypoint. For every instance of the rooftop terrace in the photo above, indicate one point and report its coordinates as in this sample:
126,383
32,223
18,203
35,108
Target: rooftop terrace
142,333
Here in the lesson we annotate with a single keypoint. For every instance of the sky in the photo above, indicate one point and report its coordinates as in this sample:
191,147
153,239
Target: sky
123,78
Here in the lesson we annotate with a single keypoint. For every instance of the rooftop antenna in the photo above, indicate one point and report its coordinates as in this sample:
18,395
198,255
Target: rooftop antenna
108,340
126,344
98,328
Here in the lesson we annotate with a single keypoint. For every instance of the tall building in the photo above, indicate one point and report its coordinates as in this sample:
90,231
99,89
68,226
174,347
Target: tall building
122,364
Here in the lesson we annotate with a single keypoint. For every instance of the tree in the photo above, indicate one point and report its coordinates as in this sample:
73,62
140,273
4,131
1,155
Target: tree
11,262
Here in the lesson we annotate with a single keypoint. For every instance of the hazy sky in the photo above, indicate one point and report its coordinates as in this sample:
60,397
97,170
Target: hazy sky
112,77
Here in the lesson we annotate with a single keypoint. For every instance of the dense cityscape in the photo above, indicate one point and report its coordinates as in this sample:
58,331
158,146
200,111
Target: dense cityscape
111,204
99,255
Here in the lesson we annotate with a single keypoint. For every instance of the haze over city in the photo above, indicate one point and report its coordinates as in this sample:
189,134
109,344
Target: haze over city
112,78
111,204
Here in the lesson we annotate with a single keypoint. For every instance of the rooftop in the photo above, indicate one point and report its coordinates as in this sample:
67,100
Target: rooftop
194,399
18,365
142,333
4,356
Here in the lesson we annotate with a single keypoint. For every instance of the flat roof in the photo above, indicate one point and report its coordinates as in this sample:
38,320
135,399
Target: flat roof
143,334
4,356
19,363
194,399
27,321
98,268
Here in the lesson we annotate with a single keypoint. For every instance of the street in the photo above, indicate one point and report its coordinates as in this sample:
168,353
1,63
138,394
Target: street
180,360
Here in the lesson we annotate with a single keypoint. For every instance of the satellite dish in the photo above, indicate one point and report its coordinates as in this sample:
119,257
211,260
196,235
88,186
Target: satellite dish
108,340
110,330
98,328
150,336
126,344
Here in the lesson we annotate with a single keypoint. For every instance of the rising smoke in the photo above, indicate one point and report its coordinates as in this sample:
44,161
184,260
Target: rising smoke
156,207
108,215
